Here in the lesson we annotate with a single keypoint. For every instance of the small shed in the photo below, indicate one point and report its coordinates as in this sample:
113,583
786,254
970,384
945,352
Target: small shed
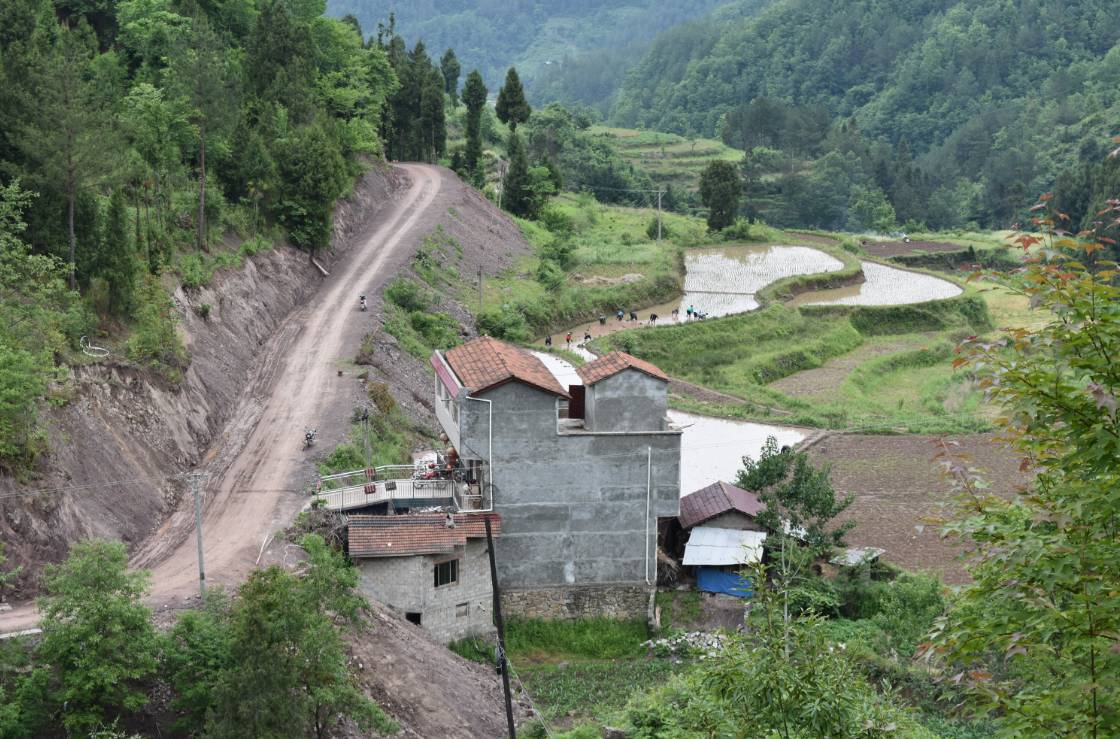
722,505
718,554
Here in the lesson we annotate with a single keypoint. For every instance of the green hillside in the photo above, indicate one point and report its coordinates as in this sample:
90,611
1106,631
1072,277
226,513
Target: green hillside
490,35
957,111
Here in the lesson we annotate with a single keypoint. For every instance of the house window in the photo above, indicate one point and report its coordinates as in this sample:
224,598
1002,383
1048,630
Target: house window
413,617
447,572
462,610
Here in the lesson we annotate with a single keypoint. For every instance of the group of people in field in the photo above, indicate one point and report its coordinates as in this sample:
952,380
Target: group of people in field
691,314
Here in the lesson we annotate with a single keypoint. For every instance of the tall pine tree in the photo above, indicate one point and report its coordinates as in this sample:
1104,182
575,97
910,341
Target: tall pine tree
517,187
117,265
474,97
449,65
512,108
70,137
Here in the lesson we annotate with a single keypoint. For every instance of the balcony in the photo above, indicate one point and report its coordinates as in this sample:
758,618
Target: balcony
403,486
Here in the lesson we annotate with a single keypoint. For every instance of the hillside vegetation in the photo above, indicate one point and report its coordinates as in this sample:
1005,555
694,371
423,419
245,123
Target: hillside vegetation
950,112
490,35
147,144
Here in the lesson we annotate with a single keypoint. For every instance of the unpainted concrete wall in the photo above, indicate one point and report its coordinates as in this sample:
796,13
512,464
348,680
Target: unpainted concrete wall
449,612
573,504
628,401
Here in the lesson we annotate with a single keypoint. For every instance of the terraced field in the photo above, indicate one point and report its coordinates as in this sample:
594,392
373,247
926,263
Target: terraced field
667,157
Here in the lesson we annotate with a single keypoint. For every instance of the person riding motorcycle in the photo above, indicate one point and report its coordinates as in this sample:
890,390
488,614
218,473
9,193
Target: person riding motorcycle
362,302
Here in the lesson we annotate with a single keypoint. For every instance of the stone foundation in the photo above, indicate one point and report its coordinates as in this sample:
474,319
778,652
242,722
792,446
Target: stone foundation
578,601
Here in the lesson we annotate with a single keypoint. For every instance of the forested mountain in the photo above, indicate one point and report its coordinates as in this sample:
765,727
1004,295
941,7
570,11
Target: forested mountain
958,111
532,35
144,137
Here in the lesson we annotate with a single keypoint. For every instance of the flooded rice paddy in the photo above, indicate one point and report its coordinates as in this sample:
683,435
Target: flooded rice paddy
712,449
720,282
883,285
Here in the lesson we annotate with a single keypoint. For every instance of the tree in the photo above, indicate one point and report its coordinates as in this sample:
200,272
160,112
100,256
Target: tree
200,71
720,190
6,575
517,195
38,318
1036,633
312,175
98,646
433,125
70,134
474,97
287,667
798,496
870,210
116,262
512,108
449,66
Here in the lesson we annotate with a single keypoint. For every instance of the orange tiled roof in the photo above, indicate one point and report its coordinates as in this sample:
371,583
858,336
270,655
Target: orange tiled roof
613,363
485,363
416,533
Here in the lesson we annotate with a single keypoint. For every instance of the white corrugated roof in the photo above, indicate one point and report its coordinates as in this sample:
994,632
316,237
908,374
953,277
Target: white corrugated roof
855,556
709,545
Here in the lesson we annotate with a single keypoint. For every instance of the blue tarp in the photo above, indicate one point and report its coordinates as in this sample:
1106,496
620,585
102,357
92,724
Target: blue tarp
715,580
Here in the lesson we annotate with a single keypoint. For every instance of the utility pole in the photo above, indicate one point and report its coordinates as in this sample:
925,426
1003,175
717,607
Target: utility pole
659,214
501,181
503,663
480,289
196,480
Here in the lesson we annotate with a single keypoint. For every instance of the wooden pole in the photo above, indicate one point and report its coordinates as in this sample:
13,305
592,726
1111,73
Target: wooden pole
503,663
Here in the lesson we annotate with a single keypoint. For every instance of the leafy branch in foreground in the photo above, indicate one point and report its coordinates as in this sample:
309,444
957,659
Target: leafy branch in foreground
1036,635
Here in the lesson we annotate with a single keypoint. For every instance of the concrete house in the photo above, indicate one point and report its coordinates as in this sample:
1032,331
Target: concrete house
580,475
433,567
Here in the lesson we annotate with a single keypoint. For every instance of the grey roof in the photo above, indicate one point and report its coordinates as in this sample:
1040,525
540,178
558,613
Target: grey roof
708,545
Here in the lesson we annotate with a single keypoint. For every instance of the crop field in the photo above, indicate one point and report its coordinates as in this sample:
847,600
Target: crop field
668,157
900,492
884,285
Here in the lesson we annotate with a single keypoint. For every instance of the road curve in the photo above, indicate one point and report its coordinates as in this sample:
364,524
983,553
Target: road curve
254,466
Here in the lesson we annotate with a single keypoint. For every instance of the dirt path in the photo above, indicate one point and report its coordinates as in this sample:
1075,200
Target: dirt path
257,467
827,379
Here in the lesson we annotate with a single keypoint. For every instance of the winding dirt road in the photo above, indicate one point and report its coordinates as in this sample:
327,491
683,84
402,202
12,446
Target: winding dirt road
255,468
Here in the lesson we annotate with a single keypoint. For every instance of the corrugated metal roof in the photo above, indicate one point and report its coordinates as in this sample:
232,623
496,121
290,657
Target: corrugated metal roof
708,545
855,556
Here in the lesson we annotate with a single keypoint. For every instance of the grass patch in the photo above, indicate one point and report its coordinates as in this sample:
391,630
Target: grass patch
540,640
678,608
590,690
413,322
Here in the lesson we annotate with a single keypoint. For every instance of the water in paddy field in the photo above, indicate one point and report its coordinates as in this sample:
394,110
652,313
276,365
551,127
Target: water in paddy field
883,286
720,282
712,449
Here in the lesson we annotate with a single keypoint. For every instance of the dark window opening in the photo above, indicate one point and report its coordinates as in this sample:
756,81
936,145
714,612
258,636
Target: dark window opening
413,617
447,572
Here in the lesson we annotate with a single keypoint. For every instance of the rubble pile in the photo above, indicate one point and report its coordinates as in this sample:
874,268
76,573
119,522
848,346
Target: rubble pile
700,644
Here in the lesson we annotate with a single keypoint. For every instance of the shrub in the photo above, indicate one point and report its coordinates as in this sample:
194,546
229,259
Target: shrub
407,294
154,341
192,271
740,230
556,220
651,229
204,311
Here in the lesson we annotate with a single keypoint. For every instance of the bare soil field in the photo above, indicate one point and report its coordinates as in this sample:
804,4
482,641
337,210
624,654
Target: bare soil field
898,485
885,249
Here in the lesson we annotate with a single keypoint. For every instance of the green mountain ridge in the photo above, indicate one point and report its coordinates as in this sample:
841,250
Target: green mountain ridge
1003,96
534,36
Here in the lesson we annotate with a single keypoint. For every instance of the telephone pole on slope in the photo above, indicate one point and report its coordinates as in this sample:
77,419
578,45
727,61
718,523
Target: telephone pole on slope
659,214
196,479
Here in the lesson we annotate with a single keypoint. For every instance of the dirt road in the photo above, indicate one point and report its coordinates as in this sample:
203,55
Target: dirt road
255,469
